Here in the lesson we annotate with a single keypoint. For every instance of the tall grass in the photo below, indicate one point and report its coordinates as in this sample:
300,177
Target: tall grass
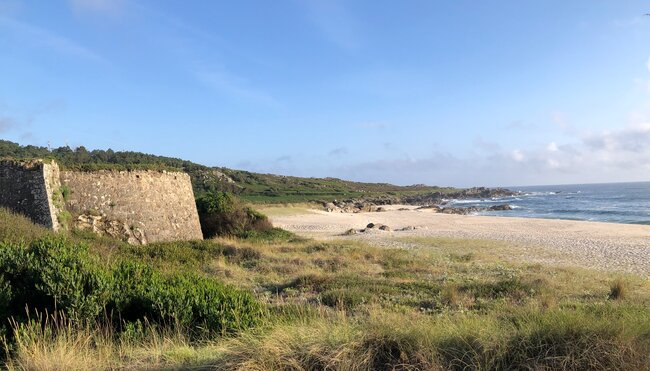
18,228
607,337
442,305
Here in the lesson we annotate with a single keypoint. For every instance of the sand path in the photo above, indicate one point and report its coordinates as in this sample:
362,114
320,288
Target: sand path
604,246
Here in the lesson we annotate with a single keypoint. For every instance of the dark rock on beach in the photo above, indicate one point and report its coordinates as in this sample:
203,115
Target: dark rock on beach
466,210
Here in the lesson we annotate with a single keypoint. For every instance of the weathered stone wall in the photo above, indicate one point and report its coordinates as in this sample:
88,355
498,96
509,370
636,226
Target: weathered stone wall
139,206
27,187
55,194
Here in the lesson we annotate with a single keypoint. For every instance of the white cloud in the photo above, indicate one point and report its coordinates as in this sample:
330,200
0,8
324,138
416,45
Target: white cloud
234,86
518,155
608,156
634,139
559,119
644,84
43,37
553,163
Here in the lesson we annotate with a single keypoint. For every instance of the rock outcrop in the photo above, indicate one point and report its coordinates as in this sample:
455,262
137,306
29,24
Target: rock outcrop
470,193
353,206
102,226
427,200
466,210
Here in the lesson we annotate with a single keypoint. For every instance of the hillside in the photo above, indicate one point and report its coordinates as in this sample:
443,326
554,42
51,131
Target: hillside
254,187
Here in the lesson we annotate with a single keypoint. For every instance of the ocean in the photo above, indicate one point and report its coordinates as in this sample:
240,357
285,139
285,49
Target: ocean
614,202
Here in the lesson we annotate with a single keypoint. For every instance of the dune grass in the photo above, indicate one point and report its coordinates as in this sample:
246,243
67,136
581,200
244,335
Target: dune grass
16,228
447,304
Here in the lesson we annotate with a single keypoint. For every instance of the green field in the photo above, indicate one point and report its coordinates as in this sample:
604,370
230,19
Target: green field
291,303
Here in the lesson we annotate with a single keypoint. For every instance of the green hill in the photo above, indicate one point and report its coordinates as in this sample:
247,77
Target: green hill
253,187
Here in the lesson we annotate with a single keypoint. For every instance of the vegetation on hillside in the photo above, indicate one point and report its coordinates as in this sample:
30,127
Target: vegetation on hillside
446,304
54,274
253,187
222,214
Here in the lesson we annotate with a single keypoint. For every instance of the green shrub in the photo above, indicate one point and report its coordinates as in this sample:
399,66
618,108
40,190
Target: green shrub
345,298
222,214
269,235
52,274
202,305
189,254
5,298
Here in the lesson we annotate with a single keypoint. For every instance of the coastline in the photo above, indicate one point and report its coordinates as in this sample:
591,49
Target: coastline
606,246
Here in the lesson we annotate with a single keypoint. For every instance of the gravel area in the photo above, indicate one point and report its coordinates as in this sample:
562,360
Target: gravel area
602,246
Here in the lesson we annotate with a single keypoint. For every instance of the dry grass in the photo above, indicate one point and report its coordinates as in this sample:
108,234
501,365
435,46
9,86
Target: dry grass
596,338
286,209
61,344
444,304
17,228
618,289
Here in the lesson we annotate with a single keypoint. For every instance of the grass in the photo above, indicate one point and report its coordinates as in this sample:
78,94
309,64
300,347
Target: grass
447,304
287,209
15,228
618,289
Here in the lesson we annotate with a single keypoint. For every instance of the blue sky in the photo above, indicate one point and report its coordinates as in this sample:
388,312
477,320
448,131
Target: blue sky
439,92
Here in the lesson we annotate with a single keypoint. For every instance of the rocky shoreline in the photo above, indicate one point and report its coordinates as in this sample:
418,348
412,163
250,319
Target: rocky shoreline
466,210
434,201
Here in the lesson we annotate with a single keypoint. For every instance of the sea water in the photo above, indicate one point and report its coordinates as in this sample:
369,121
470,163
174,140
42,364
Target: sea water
613,202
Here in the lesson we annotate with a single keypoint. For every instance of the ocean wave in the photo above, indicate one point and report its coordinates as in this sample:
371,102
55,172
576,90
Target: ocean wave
548,193
466,201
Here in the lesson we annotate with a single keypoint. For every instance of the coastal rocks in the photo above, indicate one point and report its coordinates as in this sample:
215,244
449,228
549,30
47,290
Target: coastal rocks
350,232
435,199
434,208
465,210
381,227
504,207
407,228
470,193
370,227
378,227
351,206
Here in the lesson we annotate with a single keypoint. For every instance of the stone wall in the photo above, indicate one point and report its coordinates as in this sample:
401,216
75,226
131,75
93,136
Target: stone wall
28,188
137,206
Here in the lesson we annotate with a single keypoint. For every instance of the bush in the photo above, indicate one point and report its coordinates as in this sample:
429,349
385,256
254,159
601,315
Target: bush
201,305
222,214
618,289
52,274
269,235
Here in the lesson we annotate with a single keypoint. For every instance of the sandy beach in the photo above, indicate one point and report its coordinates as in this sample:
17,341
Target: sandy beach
605,246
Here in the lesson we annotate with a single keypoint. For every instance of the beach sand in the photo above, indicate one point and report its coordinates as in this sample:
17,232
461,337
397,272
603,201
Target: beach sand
604,246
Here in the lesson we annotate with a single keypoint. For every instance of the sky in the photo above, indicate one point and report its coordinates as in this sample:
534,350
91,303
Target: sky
454,93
